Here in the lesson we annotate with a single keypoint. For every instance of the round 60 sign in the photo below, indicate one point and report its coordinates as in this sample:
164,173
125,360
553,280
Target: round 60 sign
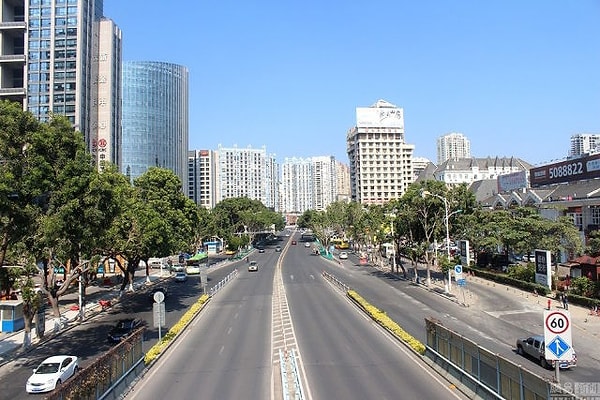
557,322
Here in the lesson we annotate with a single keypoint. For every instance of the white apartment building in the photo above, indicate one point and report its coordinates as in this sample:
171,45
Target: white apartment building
201,178
453,145
419,165
380,159
296,185
584,143
247,172
324,182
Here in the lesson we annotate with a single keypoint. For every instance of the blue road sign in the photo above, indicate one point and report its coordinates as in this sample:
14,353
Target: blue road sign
558,346
458,269
462,282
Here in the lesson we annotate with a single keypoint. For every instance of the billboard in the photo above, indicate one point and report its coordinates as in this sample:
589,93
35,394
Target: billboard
385,117
513,181
543,270
566,171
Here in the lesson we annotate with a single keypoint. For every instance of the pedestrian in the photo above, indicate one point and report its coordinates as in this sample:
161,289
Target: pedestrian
565,301
247,261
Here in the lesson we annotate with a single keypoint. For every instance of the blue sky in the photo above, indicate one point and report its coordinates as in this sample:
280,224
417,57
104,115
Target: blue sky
518,78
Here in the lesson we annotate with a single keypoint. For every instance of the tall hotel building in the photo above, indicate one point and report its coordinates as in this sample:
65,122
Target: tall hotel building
155,118
247,172
50,62
380,160
453,146
201,175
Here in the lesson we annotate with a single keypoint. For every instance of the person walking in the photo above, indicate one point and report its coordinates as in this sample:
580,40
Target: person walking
565,301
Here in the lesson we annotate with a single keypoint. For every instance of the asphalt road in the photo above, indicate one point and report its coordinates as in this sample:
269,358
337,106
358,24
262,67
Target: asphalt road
344,354
494,319
225,353
89,340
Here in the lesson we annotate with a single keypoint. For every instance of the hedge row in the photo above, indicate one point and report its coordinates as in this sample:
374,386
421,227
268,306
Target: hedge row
165,341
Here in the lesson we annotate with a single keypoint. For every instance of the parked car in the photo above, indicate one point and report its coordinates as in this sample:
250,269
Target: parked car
123,328
52,372
343,255
534,347
252,266
180,277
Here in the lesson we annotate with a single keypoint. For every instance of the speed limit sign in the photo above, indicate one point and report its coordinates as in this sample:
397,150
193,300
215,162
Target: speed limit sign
557,335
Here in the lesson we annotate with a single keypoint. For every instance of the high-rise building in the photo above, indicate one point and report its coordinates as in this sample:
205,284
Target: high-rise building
324,182
201,177
343,181
380,159
50,62
247,172
452,146
106,131
584,143
419,165
296,185
155,118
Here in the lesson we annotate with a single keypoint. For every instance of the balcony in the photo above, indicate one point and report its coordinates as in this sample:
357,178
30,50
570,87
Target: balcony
11,58
16,25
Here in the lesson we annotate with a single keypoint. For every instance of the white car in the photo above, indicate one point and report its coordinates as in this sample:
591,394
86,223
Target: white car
306,244
51,373
343,255
253,266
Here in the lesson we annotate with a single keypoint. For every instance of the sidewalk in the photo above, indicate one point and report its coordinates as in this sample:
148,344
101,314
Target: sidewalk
11,342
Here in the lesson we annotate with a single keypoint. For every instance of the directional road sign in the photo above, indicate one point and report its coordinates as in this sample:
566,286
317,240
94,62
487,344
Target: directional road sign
458,270
557,335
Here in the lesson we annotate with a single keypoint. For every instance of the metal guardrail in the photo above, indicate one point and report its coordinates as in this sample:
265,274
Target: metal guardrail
290,374
215,289
335,281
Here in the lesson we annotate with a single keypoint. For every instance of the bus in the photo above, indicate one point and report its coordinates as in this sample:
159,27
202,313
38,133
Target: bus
340,244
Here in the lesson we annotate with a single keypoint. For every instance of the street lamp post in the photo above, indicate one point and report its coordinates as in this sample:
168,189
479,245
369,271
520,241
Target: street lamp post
393,245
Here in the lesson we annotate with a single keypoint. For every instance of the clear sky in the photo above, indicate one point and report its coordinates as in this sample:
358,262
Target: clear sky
518,78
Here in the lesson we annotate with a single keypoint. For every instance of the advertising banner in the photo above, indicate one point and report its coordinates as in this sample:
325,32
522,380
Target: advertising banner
543,270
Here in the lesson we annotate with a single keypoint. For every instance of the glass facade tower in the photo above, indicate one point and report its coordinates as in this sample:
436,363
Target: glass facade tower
155,118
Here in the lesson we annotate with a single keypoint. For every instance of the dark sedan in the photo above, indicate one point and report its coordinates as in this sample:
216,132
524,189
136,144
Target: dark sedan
123,328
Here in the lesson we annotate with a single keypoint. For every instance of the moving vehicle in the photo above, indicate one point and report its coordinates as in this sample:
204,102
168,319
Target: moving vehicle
52,372
293,242
192,269
261,249
180,277
123,328
278,248
534,347
343,255
306,244
252,266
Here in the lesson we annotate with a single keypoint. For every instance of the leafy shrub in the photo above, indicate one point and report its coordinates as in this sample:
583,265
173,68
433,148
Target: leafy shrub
522,272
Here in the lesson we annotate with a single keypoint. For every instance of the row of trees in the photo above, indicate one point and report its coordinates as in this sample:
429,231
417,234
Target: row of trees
418,220
59,213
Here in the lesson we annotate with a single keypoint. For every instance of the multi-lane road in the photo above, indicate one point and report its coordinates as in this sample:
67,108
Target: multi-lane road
228,352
